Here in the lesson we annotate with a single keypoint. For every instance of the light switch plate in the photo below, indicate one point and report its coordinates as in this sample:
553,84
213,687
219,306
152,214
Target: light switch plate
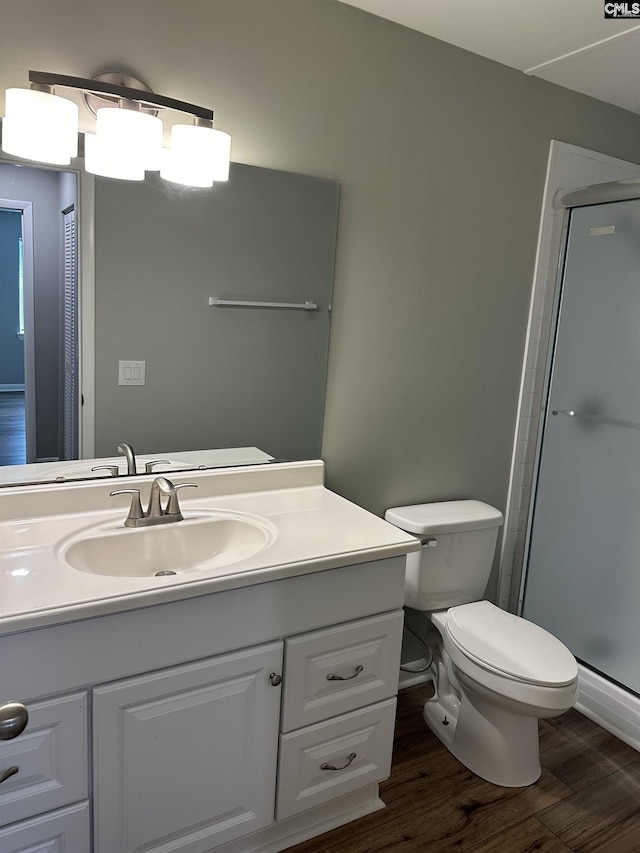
131,372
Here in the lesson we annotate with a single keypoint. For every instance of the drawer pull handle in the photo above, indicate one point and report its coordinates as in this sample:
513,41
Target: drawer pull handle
350,759
357,672
13,720
11,771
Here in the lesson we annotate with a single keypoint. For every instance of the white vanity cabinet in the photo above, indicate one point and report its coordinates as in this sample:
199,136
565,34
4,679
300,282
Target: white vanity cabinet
196,747
185,758
245,720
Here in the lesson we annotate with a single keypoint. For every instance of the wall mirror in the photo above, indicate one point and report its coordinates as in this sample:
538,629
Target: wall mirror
223,384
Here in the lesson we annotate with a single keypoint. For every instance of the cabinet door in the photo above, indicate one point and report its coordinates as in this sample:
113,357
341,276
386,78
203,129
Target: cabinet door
185,758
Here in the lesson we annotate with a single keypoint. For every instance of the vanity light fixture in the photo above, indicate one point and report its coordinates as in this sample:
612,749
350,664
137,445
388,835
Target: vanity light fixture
38,125
43,126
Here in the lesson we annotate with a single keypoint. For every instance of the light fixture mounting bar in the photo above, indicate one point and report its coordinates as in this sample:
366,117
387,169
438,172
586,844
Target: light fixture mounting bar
85,84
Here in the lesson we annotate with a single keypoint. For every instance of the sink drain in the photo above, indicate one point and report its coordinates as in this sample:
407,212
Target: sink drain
165,572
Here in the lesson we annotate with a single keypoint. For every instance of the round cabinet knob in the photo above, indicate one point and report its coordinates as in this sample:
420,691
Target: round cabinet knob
275,679
13,719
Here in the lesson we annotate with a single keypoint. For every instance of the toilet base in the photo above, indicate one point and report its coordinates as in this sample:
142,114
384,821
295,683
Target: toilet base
494,743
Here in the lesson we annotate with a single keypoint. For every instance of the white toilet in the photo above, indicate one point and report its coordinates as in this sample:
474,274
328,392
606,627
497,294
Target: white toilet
495,674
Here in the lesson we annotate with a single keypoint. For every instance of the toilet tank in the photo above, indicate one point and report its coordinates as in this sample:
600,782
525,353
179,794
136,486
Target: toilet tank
454,563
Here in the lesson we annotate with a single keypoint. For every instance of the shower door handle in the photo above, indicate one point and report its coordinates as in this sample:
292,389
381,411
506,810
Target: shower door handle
570,413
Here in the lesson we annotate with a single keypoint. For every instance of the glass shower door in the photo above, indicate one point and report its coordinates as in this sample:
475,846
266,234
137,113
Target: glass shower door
583,575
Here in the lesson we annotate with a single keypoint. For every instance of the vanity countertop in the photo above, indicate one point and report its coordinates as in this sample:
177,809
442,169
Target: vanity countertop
312,530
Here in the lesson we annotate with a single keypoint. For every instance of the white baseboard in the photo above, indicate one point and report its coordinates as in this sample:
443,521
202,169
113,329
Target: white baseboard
410,679
309,824
615,709
9,388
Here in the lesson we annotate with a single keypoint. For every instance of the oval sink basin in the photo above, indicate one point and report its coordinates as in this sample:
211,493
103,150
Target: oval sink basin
195,544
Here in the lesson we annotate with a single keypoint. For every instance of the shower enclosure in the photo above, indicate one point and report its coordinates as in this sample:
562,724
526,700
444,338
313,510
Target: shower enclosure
583,573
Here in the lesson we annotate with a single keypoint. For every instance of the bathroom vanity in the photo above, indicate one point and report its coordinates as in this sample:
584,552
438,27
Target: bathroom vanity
244,703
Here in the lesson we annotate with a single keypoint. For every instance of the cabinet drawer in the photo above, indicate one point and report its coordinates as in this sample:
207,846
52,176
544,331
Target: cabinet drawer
330,759
51,754
62,831
339,669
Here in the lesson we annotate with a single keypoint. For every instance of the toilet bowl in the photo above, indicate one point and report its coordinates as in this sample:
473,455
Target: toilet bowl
504,674
495,674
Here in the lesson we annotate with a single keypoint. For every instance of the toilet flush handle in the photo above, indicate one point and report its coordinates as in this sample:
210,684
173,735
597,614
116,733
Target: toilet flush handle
429,542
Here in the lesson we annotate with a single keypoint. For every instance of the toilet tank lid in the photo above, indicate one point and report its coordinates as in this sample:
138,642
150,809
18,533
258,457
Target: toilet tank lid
444,517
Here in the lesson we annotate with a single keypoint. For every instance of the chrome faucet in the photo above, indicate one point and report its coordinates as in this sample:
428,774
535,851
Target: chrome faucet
156,513
160,486
130,457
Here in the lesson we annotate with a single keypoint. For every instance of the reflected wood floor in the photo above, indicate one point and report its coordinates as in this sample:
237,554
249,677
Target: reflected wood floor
587,799
12,428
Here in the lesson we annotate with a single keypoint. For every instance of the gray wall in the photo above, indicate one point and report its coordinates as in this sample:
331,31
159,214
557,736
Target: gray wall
225,376
441,155
42,187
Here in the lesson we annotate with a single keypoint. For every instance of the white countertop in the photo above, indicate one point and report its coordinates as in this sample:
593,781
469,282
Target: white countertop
314,530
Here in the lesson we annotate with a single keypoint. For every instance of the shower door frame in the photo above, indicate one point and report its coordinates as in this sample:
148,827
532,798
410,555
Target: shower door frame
569,168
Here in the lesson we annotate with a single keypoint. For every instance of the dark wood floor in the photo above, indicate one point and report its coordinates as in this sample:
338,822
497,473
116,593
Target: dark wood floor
587,799
12,428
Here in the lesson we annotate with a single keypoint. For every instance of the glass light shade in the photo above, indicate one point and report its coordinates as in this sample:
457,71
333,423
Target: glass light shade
197,156
40,126
138,134
110,162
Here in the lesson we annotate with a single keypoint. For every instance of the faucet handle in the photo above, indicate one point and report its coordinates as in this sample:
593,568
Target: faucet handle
148,466
173,508
115,471
135,510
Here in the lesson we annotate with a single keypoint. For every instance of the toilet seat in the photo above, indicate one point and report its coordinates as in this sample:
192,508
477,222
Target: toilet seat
509,646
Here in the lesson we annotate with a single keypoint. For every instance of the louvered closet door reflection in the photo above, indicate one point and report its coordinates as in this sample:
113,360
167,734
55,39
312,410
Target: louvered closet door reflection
70,337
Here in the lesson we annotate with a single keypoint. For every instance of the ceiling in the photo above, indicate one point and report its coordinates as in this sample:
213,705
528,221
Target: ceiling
567,42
